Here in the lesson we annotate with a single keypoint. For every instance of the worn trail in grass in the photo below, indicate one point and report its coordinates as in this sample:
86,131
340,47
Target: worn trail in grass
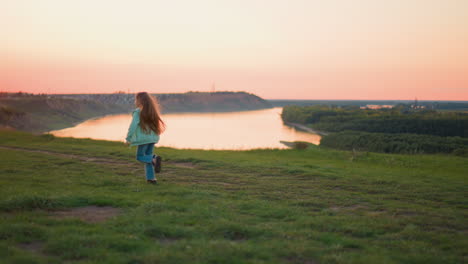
261,206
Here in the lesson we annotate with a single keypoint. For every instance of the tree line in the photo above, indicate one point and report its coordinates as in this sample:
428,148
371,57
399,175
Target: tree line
402,129
395,143
397,120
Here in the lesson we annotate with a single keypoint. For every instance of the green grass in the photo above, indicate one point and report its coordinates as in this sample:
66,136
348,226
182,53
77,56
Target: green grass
262,206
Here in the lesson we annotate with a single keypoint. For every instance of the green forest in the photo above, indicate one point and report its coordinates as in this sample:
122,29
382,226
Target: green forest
404,128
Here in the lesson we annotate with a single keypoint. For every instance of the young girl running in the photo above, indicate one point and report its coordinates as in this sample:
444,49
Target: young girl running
144,132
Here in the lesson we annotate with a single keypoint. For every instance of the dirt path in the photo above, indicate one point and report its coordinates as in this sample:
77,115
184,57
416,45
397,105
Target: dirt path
98,160
68,156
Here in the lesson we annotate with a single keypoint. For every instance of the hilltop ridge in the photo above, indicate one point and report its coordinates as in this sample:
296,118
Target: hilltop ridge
185,102
40,113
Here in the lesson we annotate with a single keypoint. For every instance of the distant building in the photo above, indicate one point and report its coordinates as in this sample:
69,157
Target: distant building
415,105
374,107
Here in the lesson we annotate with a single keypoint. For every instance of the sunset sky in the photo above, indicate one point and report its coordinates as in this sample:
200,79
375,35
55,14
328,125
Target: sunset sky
277,49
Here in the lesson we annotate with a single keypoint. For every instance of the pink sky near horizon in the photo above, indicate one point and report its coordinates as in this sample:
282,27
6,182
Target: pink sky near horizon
277,49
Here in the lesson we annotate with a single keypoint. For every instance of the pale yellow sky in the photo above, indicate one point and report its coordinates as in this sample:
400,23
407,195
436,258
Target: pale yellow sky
277,48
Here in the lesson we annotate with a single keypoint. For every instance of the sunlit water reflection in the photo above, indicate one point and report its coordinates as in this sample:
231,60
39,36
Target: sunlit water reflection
233,130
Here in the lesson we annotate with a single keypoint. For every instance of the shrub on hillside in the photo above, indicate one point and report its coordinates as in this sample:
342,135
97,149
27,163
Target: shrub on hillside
300,145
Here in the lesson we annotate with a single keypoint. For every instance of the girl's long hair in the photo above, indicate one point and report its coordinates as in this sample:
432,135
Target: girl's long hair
150,118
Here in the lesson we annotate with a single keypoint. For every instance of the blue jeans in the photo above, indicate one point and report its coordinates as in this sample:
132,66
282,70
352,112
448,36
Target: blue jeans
145,154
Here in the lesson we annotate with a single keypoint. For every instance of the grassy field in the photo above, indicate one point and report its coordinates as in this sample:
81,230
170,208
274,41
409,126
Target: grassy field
262,206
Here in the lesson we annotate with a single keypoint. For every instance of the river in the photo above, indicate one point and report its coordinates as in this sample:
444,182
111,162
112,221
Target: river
229,131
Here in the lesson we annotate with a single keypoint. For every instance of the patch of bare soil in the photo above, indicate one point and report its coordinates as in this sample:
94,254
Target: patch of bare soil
348,208
90,214
188,165
34,247
71,156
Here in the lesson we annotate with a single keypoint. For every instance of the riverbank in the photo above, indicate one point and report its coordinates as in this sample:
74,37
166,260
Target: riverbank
42,113
80,200
221,131
305,128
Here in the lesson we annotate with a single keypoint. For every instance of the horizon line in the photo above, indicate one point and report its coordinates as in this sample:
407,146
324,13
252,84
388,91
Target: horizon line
284,99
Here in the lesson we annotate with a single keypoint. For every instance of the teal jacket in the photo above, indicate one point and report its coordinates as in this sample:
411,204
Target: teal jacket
136,136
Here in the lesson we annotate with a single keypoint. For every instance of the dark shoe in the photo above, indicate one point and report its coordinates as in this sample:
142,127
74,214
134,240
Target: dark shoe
152,181
157,164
